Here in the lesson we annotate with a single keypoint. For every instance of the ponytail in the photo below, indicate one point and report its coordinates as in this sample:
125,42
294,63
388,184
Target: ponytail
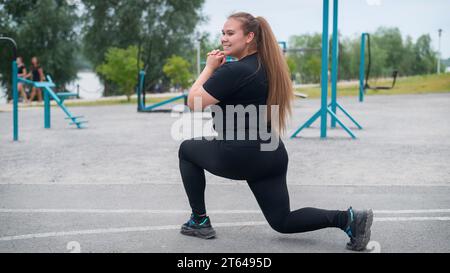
279,80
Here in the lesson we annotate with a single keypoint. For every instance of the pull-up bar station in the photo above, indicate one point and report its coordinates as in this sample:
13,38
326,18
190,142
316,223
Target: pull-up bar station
325,107
364,73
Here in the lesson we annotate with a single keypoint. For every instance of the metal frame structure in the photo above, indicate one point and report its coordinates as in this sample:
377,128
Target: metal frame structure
364,74
15,93
48,93
142,107
325,107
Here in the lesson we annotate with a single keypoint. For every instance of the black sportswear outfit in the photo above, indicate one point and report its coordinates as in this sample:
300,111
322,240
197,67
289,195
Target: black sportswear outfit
244,82
36,76
21,69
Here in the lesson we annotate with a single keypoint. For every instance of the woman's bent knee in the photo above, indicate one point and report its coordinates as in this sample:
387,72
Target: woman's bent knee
182,150
185,148
279,228
278,225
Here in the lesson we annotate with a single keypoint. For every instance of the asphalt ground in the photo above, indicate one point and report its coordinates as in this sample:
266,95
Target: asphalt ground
116,187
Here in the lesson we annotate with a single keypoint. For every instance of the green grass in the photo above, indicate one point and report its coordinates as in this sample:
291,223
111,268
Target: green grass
407,85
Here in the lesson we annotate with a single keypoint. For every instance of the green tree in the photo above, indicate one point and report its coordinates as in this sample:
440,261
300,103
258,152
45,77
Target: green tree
389,51
121,67
425,57
161,28
292,65
307,60
389,43
177,70
207,44
349,51
407,64
45,29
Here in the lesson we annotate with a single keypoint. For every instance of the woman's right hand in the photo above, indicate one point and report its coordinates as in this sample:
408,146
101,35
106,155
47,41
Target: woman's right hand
215,59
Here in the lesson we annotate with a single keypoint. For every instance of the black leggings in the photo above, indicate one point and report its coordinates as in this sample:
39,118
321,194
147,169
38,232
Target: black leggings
265,173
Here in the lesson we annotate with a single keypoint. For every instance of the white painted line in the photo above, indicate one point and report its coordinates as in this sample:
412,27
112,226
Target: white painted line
226,183
402,219
416,211
118,211
117,230
180,183
150,211
175,227
85,232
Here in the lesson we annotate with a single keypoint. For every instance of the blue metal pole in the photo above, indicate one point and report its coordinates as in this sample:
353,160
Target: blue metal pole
140,88
46,108
342,124
15,94
283,46
334,62
362,67
348,115
324,77
156,105
307,123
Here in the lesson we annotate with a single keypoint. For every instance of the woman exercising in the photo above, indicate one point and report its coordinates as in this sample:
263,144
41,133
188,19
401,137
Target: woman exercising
22,73
259,77
37,75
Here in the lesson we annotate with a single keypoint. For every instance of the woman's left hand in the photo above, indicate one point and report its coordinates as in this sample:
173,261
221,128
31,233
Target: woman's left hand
215,59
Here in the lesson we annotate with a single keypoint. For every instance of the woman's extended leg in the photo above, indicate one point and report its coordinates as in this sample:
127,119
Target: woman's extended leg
273,198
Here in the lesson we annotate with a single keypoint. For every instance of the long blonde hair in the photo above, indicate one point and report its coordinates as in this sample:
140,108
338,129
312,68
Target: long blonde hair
270,55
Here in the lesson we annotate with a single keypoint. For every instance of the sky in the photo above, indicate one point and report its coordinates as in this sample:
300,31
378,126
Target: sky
294,17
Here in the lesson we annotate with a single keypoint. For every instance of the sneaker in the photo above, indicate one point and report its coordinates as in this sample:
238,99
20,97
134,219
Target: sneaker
358,228
198,227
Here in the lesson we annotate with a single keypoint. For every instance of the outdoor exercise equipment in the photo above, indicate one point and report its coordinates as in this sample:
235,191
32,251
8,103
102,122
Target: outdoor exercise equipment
47,91
228,60
59,98
329,108
154,108
364,77
142,107
285,49
15,93
140,90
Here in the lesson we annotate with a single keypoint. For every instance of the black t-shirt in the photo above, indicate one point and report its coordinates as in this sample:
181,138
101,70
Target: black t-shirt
21,69
35,73
244,83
